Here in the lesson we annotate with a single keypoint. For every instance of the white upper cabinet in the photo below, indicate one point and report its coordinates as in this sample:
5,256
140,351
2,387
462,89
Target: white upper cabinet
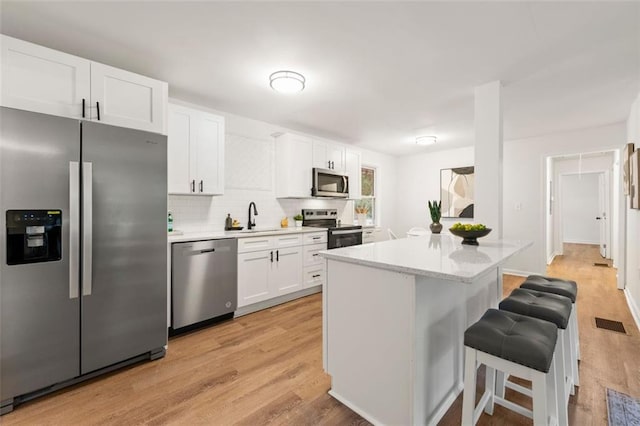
294,162
36,78
126,99
195,152
328,156
353,170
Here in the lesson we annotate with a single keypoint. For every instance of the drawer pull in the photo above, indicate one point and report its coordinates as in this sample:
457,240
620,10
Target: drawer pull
316,238
315,276
315,254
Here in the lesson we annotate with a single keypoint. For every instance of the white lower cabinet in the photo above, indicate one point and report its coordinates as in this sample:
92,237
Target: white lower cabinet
253,277
314,276
286,271
277,265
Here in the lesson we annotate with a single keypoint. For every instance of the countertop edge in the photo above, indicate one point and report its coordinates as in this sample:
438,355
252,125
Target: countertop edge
219,235
422,272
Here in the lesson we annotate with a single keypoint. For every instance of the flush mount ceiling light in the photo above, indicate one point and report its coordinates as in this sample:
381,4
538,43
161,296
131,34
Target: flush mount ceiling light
287,81
426,140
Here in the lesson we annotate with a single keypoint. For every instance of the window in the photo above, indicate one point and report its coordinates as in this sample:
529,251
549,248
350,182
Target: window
365,208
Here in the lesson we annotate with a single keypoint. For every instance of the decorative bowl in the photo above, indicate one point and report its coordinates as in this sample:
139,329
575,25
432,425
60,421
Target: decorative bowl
470,237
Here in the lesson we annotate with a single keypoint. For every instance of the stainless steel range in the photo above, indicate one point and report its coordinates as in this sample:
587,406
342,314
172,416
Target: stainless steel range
338,235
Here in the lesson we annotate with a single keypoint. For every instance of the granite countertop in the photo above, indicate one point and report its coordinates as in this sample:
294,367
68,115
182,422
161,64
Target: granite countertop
440,256
217,235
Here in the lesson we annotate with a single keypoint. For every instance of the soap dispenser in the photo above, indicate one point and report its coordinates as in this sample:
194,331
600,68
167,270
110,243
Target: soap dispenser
228,222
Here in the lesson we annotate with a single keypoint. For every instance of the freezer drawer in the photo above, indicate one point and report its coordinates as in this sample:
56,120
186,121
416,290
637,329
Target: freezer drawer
204,277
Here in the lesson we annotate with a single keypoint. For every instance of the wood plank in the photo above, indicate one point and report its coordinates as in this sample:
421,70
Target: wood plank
266,368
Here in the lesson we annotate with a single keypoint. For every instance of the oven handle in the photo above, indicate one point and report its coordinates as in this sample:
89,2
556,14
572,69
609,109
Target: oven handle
352,231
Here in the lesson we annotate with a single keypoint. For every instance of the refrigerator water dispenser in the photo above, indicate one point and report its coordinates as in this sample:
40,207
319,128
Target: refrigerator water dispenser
34,236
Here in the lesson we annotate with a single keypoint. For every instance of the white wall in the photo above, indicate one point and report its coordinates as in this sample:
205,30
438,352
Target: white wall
632,269
580,206
244,135
524,185
419,182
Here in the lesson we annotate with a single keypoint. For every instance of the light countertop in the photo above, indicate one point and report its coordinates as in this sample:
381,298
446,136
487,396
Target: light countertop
440,256
217,235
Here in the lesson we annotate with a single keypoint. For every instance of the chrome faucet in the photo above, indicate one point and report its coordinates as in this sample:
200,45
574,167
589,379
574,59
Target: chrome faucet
252,224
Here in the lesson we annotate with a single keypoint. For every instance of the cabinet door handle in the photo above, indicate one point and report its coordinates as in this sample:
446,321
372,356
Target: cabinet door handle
83,101
277,255
271,256
98,107
201,185
193,185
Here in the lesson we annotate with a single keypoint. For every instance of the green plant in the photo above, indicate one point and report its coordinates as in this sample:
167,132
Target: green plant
434,209
297,217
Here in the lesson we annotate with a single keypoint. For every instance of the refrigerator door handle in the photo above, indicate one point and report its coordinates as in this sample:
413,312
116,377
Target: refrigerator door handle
74,229
87,226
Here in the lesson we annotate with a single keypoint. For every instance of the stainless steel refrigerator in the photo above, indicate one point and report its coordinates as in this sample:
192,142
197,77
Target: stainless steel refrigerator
83,249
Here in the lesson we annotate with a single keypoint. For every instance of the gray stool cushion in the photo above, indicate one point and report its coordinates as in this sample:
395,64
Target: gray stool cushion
559,286
516,338
545,306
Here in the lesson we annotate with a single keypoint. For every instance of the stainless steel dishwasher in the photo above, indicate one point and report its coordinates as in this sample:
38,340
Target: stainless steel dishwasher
204,276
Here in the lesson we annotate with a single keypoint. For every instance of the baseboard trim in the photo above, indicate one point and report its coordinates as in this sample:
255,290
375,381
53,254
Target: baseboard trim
265,304
593,243
553,256
519,273
633,307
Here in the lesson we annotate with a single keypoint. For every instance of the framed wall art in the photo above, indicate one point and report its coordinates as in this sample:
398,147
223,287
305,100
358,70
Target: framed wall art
626,156
457,192
634,178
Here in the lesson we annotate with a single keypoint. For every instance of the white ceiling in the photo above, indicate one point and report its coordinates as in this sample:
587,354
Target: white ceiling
378,73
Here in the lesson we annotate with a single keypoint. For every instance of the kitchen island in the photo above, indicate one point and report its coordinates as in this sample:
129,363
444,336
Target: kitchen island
394,315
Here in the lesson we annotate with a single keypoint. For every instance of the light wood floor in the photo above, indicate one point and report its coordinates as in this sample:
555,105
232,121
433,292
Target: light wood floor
266,368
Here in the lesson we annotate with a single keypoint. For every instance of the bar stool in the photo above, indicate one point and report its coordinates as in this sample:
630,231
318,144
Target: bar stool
568,289
518,345
557,310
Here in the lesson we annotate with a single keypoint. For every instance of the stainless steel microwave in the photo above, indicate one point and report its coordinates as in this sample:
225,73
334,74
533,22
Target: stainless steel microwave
329,183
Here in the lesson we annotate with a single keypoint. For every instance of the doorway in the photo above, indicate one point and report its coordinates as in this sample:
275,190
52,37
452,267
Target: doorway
585,211
581,206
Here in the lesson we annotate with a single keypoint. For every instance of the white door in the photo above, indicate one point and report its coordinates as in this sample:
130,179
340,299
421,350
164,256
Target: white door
320,159
286,275
35,78
254,270
209,155
335,155
126,99
603,219
178,146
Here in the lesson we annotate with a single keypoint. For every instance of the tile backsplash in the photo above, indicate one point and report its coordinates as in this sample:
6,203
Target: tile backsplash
207,213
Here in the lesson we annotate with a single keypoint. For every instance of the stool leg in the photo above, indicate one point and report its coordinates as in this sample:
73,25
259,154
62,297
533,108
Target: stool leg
561,380
539,394
568,364
490,386
501,379
575,321
574,343
469,395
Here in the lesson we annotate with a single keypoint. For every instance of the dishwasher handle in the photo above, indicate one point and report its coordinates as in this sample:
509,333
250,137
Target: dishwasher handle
211,250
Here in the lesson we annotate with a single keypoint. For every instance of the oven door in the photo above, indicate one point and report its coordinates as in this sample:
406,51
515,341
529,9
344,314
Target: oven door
344,238
328,183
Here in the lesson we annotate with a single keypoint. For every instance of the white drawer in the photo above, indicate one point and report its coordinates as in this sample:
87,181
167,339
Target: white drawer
312,256
315,237
289,240
314,275
255,244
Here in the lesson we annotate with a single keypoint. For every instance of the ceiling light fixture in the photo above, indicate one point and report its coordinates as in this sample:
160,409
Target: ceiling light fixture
426,140
287,81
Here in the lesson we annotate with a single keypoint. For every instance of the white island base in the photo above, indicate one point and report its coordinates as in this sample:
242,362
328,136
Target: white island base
393,341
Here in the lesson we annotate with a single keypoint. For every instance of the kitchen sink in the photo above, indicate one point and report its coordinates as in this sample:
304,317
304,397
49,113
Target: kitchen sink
253,231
